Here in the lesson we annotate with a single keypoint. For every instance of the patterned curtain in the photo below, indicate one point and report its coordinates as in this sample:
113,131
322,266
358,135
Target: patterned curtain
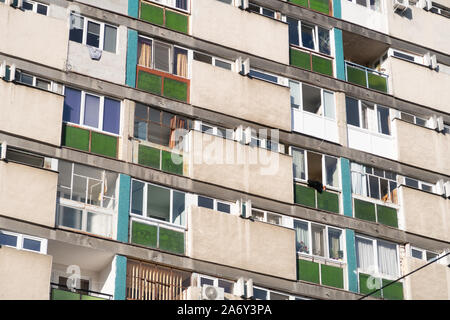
145,53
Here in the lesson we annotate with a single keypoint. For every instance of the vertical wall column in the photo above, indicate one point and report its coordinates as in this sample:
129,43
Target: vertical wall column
337,9
132,47
124,208
121,278
133,8
351,260
346,187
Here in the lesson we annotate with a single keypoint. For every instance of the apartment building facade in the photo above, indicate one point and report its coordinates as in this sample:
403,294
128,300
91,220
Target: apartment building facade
224,149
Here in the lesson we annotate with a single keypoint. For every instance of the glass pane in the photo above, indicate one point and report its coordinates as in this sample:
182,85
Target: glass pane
223,207
258,215
311,99
158,134
162,56
367,109
94,192
222,64
259,294
27,6
26,79
41,9
298,157
416,254
387,258
93,34
178,208
314,167
407,117
426,187
72,102
141,111
31,244
79,189
301,236
295,94
263,76
69,217
182,4
362,2
8,240
324,41
273,218
111,116
317,233
76,28
158,203
374,187
393,191
293,31
86,171
140,130
180,62
334,244
110,185
155,115
431,255
98,223
168,119
307,37
226,285
412,183
43,84
205,202
331,167
206,282
384,188
364,254
91,111
65,173
384,122
110,39
352,111
145,52
137,197
328,101
278,296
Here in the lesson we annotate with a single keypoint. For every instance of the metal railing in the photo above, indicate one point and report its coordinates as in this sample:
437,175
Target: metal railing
62,292
366,77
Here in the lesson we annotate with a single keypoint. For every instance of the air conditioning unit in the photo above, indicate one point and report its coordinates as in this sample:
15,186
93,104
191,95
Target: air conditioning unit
440,124
212,293
246,209
447,189
433,63
440,187
401,5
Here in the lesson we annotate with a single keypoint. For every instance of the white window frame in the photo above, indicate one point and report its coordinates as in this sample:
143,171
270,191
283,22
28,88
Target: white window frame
103,25
20,239
377,273
326,257
315,36
269,292
280,80
265,217
368,6
415,119
53,86
261,11
198,125
420,184
215,202
417,58
35,5
171,4
372,125
259,142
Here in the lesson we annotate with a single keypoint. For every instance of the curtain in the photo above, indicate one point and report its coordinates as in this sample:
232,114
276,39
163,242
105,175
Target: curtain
359,183
334,243
176,139
182,65
387,258
145,53
317,241
182,4
299,163
364,254
302,236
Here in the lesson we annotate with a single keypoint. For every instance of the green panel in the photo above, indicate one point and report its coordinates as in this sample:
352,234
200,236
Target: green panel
172,241
300,59
305,195
356,76
149,156
303,3
377,82
175,89
104,144
328,201
308,271
176,21
149,82
365,281
152,14
364,210
394,291
86,297
387,216
332,276
75,138
173,166
144,234
322,65
64,295
320,5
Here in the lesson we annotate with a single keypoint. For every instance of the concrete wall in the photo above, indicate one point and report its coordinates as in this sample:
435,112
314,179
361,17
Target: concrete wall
230,240
227,25
231,164
24,275
34,37
419,26
422,147
425,213
28,193
419,84
230,93
430,283
118,6
27,111
364,16
110,67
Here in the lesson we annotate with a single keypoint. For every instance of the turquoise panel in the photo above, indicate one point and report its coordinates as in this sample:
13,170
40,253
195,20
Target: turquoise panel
339,49
132,47
337,12
346,187
124,208
133,8
121,278
351,260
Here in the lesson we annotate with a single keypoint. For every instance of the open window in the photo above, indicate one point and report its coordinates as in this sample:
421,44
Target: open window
312,99
309,36
368,115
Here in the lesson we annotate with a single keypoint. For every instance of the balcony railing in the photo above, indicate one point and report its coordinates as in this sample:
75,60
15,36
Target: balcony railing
307,196
309,60
165,17
317,5
62,292
321,272
366,77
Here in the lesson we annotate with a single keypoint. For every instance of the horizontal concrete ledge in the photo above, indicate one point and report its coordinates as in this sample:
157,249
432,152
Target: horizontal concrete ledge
292,287
216,191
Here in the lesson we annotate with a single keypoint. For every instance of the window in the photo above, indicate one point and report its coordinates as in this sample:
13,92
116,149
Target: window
266,294
417,184
93,33
213,60
265,216
35,7
423,254
318,240
310,166
440,9
261,139
227,286
264,11
213,204
368,115
91,110
266,77
23,242
377,257
38,82
24,158
158,203
413,119
158,126
214,130
163,57
312,99
178,4
309,36
372,4
374,183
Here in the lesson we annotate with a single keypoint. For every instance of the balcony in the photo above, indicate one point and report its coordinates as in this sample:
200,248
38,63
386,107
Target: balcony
368,284
234,165
315,125
312,61
245,31
21,269
425,213
375,212
366,77
321,272
28,193
365,14
31,43
163,16
323,6
422,147
254,100
371,142
407,78
29,110
310,197
60,292
229,240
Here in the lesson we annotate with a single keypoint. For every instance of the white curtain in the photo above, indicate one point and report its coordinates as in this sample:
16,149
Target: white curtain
317,240
359,180
298,157
302,236
364,254
334,243
387,258
295,94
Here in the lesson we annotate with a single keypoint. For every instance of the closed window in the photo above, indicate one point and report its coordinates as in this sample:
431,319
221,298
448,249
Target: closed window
34,6
377,257
312,99
213,204
309,36
23,242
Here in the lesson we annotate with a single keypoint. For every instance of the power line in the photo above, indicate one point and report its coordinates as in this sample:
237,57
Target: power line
425,265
